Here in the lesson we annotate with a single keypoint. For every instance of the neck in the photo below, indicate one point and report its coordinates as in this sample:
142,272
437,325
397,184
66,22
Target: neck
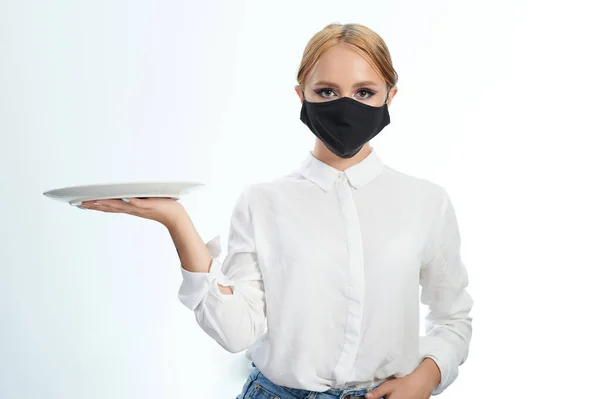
322,153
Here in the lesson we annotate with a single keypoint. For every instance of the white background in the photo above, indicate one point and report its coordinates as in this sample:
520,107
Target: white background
498,102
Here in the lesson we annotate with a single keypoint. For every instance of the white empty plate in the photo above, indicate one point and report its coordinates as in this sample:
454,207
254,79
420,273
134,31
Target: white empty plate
75,195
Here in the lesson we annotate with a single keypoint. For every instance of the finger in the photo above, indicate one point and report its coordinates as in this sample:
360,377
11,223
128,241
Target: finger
102,208
107,205
137,202
113,205
89,204
96,202
130,205
381,391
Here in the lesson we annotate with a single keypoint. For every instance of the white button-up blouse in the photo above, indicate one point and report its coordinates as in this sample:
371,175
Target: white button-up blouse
326,267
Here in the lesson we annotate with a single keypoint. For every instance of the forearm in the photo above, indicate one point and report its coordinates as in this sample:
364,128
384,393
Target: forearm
191,249
431,370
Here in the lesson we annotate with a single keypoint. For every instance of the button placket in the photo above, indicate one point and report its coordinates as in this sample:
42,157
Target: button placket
347,207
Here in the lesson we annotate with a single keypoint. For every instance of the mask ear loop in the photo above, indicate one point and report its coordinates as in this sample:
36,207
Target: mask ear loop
386,97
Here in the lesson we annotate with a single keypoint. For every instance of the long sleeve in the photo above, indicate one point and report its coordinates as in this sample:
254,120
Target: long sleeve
444,279
234,321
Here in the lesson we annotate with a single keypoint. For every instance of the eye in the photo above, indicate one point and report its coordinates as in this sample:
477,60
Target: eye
325,92
365,93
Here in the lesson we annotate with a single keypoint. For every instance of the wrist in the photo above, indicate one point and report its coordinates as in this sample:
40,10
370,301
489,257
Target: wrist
175,218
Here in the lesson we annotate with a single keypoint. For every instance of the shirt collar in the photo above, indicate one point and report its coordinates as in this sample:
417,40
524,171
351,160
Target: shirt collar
358,174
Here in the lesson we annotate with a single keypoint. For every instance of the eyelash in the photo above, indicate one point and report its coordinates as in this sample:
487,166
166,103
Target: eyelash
370,92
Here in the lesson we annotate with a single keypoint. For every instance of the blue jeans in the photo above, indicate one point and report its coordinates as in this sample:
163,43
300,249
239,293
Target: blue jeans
257,386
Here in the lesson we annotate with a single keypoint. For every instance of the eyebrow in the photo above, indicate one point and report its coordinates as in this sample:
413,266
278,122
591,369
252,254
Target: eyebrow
359,84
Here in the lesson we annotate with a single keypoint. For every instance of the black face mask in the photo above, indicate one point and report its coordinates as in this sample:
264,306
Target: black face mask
344,125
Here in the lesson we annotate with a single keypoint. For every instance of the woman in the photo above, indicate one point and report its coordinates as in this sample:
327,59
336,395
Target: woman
330,257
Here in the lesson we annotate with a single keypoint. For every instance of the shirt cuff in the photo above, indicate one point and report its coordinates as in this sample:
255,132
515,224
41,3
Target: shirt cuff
437,355
196,285
214,246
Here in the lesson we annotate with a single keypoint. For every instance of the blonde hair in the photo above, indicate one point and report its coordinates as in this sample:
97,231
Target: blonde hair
365,40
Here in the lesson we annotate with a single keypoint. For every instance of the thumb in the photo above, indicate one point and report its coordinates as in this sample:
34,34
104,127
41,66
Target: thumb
378,392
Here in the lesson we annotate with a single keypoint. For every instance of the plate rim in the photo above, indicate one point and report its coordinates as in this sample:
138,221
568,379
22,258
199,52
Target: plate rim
193,183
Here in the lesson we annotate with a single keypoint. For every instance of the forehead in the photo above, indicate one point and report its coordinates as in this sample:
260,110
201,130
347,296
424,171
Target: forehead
344,65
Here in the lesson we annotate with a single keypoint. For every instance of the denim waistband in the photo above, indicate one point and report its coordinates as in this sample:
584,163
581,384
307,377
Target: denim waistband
336,392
